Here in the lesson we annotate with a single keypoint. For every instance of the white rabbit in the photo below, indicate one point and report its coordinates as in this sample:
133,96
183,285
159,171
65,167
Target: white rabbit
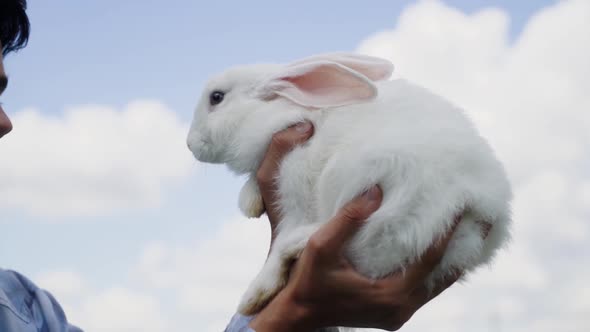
423,152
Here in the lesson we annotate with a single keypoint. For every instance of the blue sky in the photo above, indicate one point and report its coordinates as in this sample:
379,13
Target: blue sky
112,52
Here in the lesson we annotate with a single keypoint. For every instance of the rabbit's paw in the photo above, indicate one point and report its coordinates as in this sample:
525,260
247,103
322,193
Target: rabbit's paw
257,300
270,281
250,201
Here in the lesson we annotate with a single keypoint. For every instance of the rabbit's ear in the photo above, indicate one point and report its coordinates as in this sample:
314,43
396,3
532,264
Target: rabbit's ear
319,84
376,69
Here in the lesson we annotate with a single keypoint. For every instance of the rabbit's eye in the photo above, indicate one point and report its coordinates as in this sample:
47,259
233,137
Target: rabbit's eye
216,97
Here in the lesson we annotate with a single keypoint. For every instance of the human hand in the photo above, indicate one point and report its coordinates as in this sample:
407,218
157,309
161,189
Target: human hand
325,290
281,144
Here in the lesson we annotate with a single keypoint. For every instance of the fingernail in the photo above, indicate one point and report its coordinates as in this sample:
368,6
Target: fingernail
372,194
303,127
456,221
486,228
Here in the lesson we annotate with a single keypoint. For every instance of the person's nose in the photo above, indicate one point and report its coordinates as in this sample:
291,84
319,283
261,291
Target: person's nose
5,124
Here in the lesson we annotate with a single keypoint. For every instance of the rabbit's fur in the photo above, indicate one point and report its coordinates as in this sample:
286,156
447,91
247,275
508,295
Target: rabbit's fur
425,154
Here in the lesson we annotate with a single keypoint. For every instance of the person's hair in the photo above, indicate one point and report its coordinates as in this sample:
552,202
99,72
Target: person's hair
14,25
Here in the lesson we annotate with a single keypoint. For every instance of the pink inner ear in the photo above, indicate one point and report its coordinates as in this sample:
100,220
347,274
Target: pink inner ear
374,68
328,84
376,71
324,84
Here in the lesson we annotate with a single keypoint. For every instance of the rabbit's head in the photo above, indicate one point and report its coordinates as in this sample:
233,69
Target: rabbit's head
242,107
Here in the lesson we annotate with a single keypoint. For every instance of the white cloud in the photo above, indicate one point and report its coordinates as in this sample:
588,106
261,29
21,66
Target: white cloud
64,284
92,159
122,310
68,287
529,98
113,309
209,276
186,287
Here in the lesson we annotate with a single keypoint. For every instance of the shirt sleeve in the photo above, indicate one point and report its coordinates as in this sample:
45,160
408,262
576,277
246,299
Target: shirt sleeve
26,307
239,323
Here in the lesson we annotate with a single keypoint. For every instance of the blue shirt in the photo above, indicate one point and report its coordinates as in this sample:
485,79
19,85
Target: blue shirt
24,307
239,323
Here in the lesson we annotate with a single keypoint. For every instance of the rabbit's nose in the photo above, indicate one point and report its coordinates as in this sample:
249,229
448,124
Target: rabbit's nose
191,138
196,143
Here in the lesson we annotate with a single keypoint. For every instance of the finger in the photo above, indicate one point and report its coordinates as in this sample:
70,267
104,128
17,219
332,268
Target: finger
447,282
417,272
282,143
331,238
486,227
421,295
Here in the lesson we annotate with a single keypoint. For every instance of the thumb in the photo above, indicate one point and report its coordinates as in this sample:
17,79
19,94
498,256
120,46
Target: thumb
282,143
334,235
